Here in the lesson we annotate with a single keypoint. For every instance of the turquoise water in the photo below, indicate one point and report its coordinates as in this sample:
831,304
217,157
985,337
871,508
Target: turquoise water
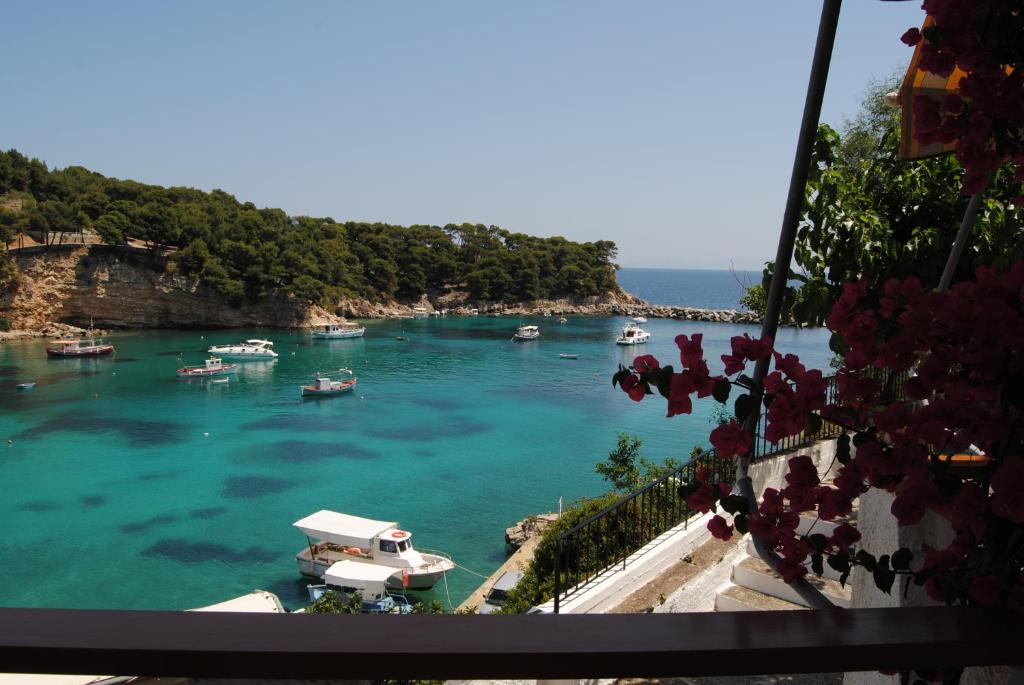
128,488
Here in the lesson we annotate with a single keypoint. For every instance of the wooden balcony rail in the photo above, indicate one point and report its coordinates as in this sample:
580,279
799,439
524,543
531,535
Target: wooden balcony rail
224,645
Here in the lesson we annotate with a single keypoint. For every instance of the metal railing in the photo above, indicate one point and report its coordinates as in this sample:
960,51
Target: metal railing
618,531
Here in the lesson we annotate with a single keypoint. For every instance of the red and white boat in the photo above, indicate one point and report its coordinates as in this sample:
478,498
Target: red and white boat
79,348
213,367
324,386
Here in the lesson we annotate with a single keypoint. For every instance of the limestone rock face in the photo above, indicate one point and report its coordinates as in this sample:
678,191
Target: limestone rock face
127,288
529,527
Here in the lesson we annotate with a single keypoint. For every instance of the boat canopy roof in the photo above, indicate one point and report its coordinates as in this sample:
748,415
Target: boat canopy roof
358,574
65,342
257,601
257,341
343,529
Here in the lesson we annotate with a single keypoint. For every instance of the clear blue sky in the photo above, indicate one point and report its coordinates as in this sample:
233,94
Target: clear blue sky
666,126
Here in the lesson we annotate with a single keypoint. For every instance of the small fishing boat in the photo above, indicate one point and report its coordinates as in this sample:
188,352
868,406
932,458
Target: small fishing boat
640,319
324,386
250,349
369,581
89,347
568,356
212,368
420,312
632,335
26,386
332,537
334,331
524,333
562,319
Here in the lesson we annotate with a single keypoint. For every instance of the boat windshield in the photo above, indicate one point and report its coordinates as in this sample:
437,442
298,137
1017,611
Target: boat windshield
404,545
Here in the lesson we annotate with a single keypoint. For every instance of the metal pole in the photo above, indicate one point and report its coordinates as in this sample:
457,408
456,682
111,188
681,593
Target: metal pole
558,581
784,255
966,224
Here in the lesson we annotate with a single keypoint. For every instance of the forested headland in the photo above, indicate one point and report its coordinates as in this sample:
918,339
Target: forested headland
246,252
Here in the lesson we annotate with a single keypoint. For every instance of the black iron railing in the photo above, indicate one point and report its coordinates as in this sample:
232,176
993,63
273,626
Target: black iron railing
618,531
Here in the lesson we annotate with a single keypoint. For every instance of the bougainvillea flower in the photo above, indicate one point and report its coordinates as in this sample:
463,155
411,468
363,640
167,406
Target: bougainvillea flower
646,363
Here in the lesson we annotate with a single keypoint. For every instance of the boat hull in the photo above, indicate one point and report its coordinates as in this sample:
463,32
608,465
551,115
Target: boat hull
320,335
417,579
99,351
631,342
205,373
309,391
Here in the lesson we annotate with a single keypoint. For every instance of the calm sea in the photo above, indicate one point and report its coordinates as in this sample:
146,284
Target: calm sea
689,287
125,487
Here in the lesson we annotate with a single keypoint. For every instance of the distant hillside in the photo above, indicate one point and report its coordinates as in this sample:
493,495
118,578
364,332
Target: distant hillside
248,254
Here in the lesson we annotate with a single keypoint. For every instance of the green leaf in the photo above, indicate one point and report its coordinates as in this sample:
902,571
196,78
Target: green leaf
721,390
866,560
740,521
884,578
736,504
746,381
901,559
818,542
816,564
843,578
813,424
744,405
619,376
843,449
840,561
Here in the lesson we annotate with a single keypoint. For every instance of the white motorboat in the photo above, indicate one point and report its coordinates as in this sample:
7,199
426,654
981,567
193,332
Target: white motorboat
632,335
524,333
562,319
349,577
334,331
332,537
420,312
211,368
250,349
640,319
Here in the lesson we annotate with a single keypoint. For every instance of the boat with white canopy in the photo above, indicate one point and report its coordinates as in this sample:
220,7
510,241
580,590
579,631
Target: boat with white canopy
370,581
632,335
250,349
334,331
524,333
332,537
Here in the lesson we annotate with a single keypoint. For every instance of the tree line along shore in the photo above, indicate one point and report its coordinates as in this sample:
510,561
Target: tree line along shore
247,253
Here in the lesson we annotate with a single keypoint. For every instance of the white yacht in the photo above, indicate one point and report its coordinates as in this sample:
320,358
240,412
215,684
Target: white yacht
334,331
524,333
250,349
640,319
332,537
632,334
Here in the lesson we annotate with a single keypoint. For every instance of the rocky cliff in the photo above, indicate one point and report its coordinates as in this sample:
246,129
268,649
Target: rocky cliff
126,288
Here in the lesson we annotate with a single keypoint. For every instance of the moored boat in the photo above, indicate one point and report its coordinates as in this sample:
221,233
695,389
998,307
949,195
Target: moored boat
89,347
568,356
524,333
369,581
212,368
420,312
324,386
333,331
632,335
332,537
26,386
640,319
250,349
562,319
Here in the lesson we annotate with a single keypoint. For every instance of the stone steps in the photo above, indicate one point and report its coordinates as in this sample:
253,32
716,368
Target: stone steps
754,574
736,598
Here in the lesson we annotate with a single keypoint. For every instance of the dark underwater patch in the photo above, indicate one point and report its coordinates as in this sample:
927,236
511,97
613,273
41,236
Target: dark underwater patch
441,403
207,512
39,505
187,552
122,360
138,432
427,432
302,451
301,424
92,500
143,526
10,371
159,475
243,487
426,454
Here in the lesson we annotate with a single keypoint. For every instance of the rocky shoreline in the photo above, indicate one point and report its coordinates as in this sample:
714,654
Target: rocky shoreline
128,289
